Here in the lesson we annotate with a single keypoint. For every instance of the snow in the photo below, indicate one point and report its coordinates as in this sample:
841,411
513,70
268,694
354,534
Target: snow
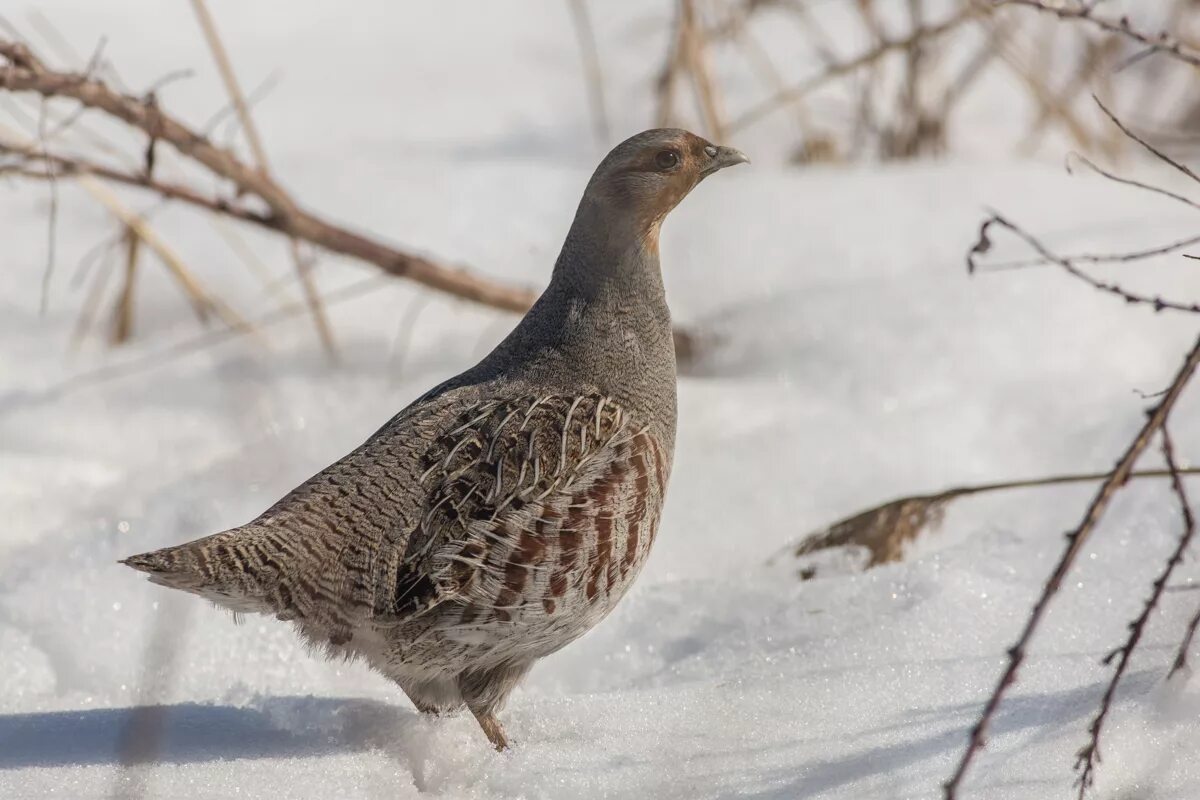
850,360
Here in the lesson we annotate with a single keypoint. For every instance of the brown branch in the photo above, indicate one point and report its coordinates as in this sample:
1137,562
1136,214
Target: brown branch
1161,42
1088,758
24,72
1076,539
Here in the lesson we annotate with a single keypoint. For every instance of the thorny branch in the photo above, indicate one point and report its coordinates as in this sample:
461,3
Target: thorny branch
984,244
1088,758
1076,539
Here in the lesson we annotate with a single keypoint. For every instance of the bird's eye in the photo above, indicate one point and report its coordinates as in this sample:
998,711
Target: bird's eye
666,159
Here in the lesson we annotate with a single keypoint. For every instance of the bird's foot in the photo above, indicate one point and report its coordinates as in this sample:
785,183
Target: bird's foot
493,730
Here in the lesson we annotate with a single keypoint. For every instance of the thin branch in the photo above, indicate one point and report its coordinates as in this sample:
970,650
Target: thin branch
24,72
983,244
1161,42
1189,527
1088,758
1161,156
1094,167
694,53
1096,258
1076,539
1181,656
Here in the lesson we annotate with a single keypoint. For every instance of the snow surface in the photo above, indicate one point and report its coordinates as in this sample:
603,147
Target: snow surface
850,360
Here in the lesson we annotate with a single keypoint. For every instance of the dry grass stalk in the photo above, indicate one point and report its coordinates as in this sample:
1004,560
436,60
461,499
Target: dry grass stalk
592,72
202,300
687,58
250,130
122,325
1152,43
135,230
885,530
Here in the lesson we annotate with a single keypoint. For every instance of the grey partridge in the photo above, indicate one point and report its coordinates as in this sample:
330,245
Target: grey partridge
505,512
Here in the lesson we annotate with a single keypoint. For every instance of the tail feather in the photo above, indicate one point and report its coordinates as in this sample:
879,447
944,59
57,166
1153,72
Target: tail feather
266,568
215,567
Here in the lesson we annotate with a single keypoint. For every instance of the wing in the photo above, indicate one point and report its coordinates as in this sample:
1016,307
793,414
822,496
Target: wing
477,502
532,502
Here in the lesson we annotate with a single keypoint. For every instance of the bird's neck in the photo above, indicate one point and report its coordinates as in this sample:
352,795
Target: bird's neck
609,260
602,321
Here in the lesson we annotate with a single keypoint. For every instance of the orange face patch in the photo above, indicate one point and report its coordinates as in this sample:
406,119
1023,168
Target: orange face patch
650,189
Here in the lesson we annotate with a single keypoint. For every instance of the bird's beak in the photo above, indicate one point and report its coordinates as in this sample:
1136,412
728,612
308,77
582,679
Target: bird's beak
725,157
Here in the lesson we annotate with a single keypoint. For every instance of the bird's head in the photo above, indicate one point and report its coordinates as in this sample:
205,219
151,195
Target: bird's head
647,175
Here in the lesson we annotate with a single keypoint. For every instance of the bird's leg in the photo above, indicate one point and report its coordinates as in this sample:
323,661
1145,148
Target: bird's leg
485,691
492,729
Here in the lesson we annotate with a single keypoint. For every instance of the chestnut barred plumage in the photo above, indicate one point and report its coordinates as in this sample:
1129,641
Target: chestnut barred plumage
504,513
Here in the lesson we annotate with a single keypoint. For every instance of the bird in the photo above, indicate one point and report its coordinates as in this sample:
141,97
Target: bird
506,511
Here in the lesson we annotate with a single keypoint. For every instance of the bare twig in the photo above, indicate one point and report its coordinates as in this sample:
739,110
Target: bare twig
1181,656
1088,758
1076,538
1179,198
199,342
1161,42
687,55
984,243
1096,258
694,53
25,72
